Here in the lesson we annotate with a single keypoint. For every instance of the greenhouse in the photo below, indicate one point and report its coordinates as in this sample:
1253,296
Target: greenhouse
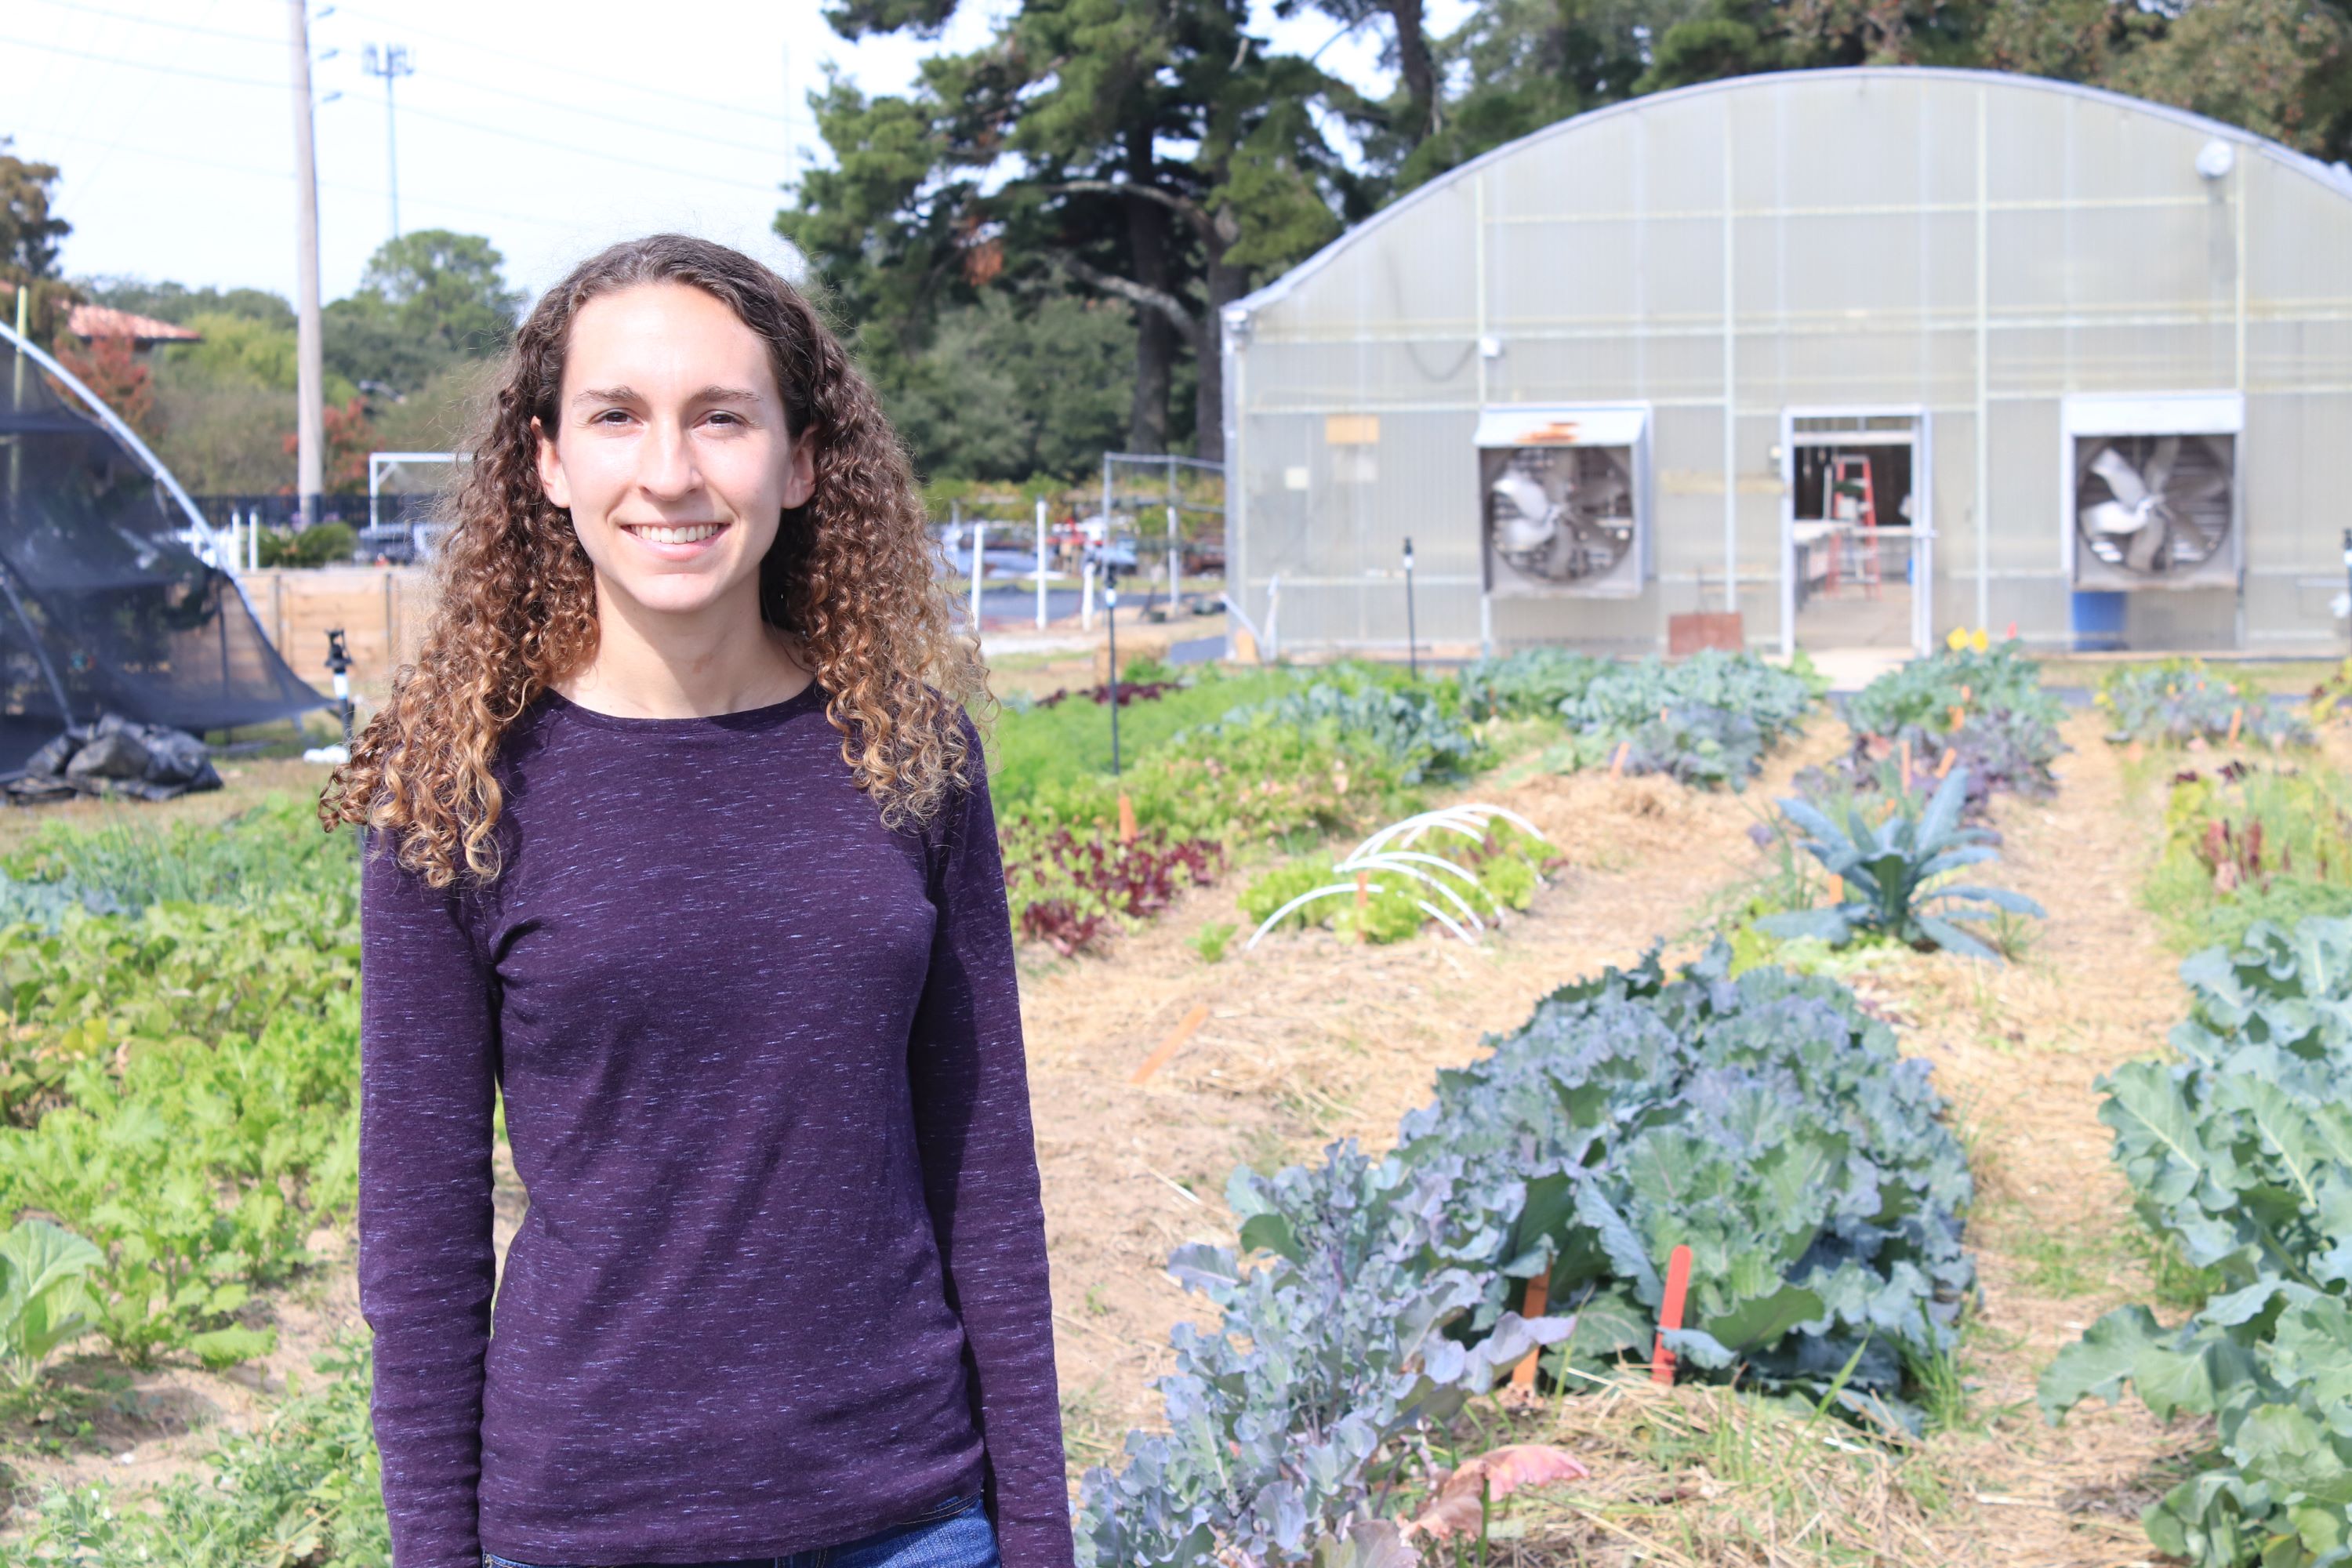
1862,356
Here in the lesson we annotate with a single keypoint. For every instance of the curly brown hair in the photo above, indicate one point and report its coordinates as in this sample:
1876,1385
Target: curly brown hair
851,577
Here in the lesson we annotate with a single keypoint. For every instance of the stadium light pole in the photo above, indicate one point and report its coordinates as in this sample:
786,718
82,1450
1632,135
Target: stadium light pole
390,64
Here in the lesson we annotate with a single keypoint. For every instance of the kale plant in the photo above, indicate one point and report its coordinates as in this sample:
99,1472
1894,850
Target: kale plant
1530,683
1283,1423
1923,693
2176,700
1987,707
2241,1152
1892,869
1695,743
1766,1121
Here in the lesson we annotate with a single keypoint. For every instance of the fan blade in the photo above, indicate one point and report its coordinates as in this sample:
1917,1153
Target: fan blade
2107,517
2122,478
2159,463
2141,549
2188,492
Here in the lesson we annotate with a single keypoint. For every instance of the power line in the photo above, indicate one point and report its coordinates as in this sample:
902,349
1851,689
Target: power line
80,10
573,148
255,172
279,86
590,152
607,117
544,65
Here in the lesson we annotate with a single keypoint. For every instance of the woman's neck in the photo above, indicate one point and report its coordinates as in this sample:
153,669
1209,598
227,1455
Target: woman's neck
651,665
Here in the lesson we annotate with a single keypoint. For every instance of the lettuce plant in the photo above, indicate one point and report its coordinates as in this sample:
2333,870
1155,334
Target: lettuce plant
2240,1150
1893,870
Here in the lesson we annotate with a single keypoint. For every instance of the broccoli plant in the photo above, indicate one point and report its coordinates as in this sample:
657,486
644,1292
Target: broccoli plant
1893,859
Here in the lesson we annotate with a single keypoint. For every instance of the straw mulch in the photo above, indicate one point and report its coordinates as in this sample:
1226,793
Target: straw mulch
1312,1037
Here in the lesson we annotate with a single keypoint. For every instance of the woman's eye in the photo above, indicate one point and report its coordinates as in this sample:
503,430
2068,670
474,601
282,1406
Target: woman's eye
611,415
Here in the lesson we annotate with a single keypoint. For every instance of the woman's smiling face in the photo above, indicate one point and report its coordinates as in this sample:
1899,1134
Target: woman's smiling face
669,449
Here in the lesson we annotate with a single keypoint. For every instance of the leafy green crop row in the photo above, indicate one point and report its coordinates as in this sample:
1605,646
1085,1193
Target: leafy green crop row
2241,1153
2248,843
1986,711
1766,1123
1706,720
305,1489
1507,863
2176,700
181,1082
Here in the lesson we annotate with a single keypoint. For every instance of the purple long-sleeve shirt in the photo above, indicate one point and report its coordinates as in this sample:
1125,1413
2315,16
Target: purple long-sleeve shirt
782,1282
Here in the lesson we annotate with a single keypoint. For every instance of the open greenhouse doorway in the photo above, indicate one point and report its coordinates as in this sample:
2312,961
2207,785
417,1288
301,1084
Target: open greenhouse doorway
1858,542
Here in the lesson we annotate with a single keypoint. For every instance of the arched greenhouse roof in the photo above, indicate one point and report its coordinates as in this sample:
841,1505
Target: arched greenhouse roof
2335,179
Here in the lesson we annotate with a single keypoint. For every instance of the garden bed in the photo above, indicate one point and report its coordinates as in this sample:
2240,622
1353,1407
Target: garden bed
1313,1037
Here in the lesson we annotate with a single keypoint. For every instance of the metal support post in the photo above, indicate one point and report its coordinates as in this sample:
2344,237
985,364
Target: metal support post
1412,638
1111,610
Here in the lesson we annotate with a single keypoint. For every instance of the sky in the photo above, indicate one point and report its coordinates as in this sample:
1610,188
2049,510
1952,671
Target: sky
172,123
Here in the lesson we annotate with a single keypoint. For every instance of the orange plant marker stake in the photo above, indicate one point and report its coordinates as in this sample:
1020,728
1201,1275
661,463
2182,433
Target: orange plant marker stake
1903,756
1944,768
1175,1040
1523,1376
1617,761
2237,718
1126,819
1670,1314
1837,888
1960,715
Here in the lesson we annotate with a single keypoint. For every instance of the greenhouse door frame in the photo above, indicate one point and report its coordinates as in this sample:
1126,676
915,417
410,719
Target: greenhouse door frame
1921,532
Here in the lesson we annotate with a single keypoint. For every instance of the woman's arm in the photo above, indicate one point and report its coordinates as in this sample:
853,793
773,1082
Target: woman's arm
980,1174
428,1087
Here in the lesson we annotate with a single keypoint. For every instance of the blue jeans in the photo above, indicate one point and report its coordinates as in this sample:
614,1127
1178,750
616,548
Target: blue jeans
956,1534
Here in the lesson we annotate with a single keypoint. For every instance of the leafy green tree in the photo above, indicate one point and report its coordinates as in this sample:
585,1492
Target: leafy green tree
2282,69
169,302
426,300
1013,386
235,348
1160,155
1527,64
29,229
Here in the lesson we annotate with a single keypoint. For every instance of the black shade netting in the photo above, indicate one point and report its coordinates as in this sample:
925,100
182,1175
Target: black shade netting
102,606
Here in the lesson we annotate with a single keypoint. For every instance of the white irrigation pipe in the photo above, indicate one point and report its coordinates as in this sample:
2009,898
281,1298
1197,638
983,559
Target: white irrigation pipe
1470,878
1383,863
1276,918
1471,819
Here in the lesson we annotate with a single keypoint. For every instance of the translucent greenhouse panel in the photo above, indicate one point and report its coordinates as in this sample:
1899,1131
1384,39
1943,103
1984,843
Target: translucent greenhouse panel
1341,376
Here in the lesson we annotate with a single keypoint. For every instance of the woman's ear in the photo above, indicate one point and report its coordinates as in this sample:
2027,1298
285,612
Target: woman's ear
551,479
800,477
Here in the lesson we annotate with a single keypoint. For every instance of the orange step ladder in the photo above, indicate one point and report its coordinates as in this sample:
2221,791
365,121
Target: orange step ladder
1855,471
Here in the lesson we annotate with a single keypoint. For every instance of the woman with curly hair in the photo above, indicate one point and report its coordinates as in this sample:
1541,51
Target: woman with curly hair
678,836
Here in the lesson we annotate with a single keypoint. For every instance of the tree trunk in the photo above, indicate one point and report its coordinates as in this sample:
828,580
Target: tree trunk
1414,67
1148,225
1226,283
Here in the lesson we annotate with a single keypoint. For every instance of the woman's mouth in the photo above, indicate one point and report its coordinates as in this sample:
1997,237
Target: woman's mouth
675,540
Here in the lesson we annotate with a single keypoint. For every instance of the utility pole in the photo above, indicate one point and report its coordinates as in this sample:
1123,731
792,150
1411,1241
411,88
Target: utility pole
309,365
391,64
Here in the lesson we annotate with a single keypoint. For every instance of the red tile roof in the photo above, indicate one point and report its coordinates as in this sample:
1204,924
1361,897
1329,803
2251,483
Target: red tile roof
101,321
